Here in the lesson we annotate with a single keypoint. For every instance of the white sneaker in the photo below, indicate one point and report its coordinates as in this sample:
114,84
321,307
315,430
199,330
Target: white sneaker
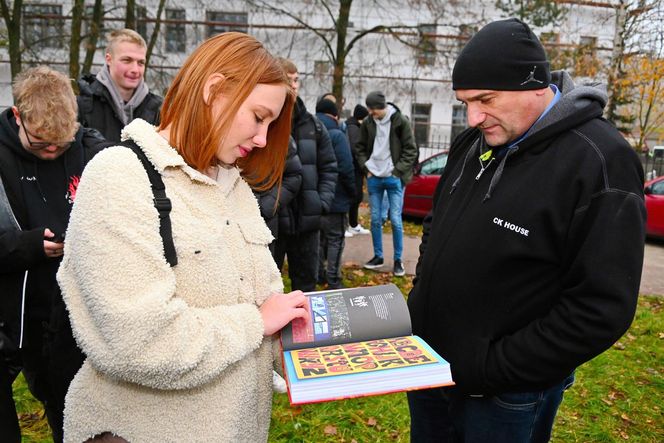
348,233
358,230
278,383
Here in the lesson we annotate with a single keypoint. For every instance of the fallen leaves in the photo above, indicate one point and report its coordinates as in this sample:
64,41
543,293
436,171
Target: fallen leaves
330,430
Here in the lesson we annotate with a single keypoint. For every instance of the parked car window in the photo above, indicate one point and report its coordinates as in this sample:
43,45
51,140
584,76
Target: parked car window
658,188
434,165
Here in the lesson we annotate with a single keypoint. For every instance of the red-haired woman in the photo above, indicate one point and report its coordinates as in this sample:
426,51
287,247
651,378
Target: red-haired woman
183,353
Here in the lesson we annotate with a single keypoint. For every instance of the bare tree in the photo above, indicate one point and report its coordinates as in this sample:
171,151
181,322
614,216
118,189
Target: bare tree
12,20
94,31
338,42
155,33
130,16
534,12
75,38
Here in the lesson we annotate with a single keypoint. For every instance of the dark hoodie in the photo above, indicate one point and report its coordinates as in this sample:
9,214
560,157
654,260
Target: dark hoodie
534,267
40,194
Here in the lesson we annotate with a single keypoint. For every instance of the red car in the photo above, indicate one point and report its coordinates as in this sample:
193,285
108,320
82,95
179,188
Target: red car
418,196
654,191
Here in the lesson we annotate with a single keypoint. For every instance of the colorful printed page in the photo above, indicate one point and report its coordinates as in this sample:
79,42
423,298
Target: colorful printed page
374,367
350,358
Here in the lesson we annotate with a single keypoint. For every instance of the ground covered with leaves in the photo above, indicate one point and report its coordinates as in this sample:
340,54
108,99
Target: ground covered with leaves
617,396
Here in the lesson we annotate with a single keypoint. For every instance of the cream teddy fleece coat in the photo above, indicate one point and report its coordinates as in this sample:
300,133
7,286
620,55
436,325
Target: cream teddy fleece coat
174,354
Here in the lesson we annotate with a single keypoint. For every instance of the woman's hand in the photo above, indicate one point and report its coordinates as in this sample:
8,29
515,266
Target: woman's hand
280,309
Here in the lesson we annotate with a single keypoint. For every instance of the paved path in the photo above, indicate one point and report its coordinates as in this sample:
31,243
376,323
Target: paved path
358,250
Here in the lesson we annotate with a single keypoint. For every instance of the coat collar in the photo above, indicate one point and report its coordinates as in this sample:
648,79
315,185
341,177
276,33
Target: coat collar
165,157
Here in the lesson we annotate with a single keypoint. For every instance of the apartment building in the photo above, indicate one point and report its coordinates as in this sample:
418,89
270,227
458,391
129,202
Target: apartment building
409,55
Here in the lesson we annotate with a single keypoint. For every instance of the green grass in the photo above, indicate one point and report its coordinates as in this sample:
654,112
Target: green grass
617,396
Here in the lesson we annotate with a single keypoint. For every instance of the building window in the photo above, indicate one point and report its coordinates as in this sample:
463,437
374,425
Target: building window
588,45
176,37
426,47
39,31
421,115
221,21
322,69
459,121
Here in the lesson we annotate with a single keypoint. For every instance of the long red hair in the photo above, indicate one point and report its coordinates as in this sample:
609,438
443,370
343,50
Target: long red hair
244,63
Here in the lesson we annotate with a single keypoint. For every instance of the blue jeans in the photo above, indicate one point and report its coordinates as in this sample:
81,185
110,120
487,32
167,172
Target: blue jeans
376,187
446,415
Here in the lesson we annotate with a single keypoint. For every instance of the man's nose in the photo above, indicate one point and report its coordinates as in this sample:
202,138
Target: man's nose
475,116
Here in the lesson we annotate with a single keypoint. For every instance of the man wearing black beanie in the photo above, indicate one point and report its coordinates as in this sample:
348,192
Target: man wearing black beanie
531,258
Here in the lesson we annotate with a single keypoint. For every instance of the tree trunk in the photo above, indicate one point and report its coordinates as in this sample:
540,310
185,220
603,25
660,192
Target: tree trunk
13,24
155,33
93,36
617,55
130,17
75,41
340,60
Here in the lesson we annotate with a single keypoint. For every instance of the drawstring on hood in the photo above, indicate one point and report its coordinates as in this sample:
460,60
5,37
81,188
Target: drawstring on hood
469,155
576,105
499,172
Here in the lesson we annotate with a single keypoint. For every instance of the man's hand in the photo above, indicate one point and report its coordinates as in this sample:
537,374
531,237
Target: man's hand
52,249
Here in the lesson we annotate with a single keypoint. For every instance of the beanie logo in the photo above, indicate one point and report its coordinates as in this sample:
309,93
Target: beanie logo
531,77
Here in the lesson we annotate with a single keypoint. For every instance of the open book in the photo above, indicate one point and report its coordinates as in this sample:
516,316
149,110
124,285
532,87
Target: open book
357,342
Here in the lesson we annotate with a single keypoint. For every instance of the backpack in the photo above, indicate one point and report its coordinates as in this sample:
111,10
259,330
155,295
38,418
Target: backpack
161,202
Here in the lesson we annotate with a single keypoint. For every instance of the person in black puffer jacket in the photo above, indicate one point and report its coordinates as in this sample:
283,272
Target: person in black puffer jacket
275,202
118,94
299,236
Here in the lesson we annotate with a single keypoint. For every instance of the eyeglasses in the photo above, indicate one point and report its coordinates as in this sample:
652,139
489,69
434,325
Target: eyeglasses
36,146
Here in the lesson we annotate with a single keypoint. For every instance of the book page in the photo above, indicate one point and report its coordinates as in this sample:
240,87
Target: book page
352,358
349,315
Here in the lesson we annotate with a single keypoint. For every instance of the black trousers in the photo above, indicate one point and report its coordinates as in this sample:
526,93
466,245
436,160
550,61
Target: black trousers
49,360
302,252
332,241
353,212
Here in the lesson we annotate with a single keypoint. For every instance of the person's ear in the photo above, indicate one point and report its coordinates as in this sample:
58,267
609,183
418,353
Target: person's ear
213,81
17,115
108,58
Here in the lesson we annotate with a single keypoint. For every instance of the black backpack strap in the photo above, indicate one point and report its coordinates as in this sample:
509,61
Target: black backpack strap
161,202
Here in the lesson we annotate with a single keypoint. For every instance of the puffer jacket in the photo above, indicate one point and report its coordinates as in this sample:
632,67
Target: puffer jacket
275,202
344,192
319,173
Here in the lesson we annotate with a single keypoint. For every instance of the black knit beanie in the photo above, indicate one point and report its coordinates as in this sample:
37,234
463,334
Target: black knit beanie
504,55
376,100
327,106
360,112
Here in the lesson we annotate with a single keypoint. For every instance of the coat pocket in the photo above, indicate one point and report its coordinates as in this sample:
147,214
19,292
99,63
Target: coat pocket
256,233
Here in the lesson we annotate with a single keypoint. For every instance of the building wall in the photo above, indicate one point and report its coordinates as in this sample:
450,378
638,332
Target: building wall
378,61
